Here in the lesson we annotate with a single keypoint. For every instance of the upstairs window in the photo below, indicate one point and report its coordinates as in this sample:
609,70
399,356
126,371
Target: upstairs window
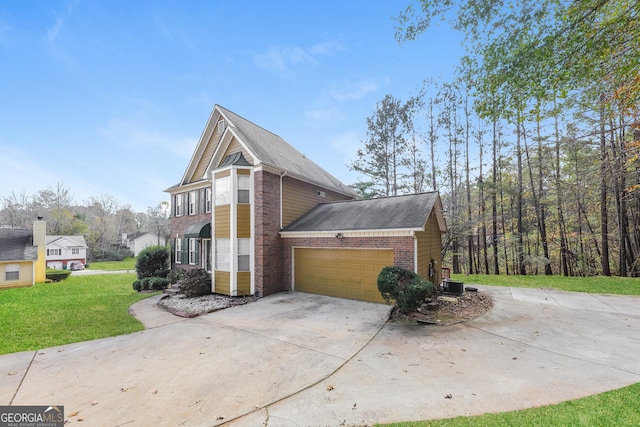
54,252
243,189
223,191
75,251
193,202
179,205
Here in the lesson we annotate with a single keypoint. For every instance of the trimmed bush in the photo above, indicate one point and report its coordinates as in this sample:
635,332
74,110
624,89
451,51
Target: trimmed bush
57,275
404,287
152,261
151,284
195,283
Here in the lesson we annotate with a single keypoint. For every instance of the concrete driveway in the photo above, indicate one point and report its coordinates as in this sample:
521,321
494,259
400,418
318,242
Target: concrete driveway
297,359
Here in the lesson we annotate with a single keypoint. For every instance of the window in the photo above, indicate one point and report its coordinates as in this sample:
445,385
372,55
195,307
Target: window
193,202
12,272
223,257
193,251
223,191
208,200
178,251
243,189
220,126
244,255
53,252
75,251
179,205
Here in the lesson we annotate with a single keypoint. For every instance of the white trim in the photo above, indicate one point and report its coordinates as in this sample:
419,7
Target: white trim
233,234
197,185
346,233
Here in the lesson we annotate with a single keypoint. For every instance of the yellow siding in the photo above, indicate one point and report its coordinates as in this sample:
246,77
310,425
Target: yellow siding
40,240
244,172
299,197
429,247
223,222
345,273
244,283
235,147
244,221
223,173
26,275
223,284
207,154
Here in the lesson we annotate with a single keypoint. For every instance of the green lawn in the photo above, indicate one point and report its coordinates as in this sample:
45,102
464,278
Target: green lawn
613,408
77,309
599,284
126,264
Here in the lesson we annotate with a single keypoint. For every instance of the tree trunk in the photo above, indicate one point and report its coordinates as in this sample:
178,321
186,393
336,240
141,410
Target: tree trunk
494,200
520,250
604,215
561,225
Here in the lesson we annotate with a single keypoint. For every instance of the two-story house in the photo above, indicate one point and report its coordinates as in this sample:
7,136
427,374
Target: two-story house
66,252
140,240
262,218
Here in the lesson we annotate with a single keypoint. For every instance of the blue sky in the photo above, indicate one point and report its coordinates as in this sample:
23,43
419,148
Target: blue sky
110,97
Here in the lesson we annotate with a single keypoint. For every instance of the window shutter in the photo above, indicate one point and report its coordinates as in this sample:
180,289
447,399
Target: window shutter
197,260
173,252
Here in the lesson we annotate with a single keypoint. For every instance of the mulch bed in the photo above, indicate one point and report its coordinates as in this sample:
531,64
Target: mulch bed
447,309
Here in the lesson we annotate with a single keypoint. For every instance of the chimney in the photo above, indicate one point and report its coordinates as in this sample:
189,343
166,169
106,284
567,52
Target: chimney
40,241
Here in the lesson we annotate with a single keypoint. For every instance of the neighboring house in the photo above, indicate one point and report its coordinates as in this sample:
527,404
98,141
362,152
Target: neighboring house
263,218
64,251
22,259
140,240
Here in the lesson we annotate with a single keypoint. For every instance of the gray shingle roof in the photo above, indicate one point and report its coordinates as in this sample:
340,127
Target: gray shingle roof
391,213
16,244
272,150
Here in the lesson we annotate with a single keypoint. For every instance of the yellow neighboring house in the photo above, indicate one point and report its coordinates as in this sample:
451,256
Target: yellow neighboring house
22,255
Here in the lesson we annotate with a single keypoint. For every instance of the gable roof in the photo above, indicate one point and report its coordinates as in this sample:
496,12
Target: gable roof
407,212
67,241
16,244
266,149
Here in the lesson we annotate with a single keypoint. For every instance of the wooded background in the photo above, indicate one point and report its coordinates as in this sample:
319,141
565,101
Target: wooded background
533,146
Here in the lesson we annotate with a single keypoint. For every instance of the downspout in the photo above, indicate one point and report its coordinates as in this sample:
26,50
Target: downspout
282,175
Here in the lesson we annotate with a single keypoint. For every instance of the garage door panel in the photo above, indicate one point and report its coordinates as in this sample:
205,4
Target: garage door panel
346,273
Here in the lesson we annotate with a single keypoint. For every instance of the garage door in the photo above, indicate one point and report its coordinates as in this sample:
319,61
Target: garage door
345,273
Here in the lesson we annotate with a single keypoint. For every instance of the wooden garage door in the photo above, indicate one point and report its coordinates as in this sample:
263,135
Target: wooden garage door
345,273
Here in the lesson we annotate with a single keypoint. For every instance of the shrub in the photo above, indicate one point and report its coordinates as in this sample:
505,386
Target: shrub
57,275
404,287
195,283
151,261
175,275
151,284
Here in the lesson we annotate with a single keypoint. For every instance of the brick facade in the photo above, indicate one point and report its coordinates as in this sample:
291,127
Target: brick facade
179,225
268,244
403,249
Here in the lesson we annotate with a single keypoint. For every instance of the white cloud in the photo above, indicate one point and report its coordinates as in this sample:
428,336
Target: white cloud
54,31
285,59
333,104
